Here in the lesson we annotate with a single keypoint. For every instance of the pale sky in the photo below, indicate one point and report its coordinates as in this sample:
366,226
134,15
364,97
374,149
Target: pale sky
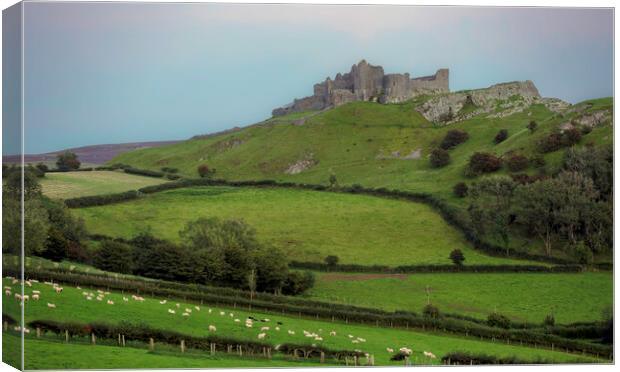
126,72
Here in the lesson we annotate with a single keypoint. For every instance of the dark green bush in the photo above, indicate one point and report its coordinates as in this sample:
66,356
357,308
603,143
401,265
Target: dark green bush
460,189
453,138
501,136
439,158
496,319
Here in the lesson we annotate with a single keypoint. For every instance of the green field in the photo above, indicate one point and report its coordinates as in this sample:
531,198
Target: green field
71,305
74,184
308,225
522,297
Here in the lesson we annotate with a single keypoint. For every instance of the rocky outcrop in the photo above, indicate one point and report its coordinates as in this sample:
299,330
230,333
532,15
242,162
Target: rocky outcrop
498,100
366,82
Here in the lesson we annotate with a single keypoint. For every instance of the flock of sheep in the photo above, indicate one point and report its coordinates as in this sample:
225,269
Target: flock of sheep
100,295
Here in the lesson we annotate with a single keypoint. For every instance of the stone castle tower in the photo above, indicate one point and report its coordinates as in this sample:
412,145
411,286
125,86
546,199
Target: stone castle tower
366,82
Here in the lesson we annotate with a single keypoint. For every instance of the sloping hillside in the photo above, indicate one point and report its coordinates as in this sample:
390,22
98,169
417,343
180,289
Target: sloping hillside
367,143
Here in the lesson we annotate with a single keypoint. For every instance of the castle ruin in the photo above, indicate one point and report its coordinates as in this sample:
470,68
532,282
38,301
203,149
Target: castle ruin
366,82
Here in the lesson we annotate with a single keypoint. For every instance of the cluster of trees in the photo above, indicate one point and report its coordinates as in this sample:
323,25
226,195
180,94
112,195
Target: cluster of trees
212,251
204,171
558,140
67,161
50,231
572,210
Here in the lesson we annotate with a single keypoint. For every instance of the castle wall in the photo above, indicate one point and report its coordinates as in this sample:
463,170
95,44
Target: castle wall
366,82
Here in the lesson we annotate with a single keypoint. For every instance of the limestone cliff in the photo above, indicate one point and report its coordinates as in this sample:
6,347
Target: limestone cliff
366,82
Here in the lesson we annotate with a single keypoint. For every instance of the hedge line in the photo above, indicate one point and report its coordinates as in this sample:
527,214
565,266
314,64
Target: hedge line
144,172
143,333
95,200
320,310
467,358
451,215
319,266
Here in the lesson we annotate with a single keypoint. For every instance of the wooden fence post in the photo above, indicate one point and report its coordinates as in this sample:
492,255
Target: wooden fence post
38,332
66,335
322,357
182,346
119,340
93,339
6,326
151,344
123,338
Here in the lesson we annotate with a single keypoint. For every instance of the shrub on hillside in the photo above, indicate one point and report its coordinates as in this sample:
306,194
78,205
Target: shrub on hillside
532,126
205,171
483,162
169,170
538,162
453,138
298,282
457,257
55,246
114,256
498,320
460,189
557,140
143,172
571,137
549,320
517,163
331,260
42,167
501,136
439,158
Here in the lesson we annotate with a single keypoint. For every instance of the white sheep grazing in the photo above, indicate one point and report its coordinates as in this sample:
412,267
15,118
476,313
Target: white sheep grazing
350,336
222,313
390,350
249,325
361,339
231,315
100,291
212,328
99,298
178,305
51,306
163,302
34,280
14,281
266,320
28,283
197,308
264,328
26,330
110,302
7,287
171,311
277,328
125,299
58,289
35,297
210,310
237,320
26,297
7,292
332,333
405,351
188,310
185,314
428,354
18,296
36,292
89,298
318,338
78,288
261,336
355,342
291,332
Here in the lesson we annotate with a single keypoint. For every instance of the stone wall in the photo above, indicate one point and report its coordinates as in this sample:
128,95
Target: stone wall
366,82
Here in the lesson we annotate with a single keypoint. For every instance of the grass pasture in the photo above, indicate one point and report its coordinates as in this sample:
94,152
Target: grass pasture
75,184
520,296
71,305
308,225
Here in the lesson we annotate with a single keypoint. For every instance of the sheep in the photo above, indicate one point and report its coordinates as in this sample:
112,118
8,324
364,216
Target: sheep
405,350
291,332
222,313
18,296
14,281
7,287
35,297
178,305
26,297
163,302
261,336
99,298
390,350
210,310
212,328
428,354
361,339
277,328
264,328
237,320
89,298
125,299
188,310
58,290
332,333
197,308
249,325
265,320
318,338
34,280
100,291
355,342
78,288
36,292
185,314
51,306
7,292
110,302
170,311
28,283
350,336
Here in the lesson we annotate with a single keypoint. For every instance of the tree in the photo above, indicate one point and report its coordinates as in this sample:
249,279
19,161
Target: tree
205,172
36,226
532,126
114,256
271,267
67,161
298,282
42,167
439,158
457,257
501,136
595,163
331,260
12,186
56,246
460,189
431,311
453,138
549,320
333,181
490,209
